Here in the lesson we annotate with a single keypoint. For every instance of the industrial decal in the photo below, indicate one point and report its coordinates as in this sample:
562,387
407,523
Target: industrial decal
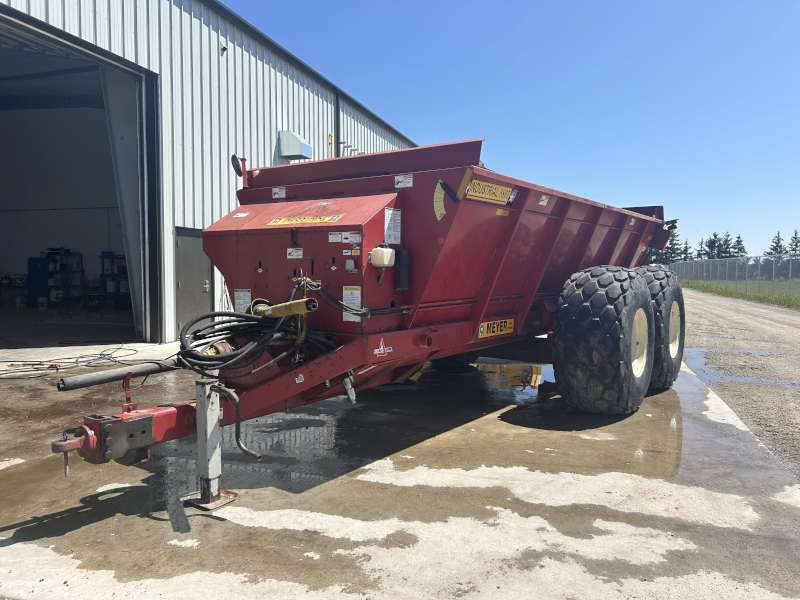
403,181
382,350
491,192
351,296
493,328
351,237
298,220
391,225
294,253
241,300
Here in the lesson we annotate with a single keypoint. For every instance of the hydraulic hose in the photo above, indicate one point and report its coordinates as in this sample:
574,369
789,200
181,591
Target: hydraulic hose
231,395
76,382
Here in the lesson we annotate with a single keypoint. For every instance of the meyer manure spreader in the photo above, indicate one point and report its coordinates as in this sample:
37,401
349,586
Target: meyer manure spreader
355,272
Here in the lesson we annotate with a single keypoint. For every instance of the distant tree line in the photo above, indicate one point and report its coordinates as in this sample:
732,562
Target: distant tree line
720,246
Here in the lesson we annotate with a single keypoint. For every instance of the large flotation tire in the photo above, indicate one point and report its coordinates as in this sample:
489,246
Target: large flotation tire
603,340
666,295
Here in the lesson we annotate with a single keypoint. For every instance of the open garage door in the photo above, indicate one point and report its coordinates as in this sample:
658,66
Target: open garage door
122,98
74,195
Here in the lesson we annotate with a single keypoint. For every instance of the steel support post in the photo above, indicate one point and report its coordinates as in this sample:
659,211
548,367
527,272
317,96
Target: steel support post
209,450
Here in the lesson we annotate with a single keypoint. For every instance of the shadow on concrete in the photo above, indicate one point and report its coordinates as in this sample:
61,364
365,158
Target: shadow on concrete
33,328
555,415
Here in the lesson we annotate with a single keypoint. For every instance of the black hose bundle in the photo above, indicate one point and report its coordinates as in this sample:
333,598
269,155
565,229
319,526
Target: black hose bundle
262,332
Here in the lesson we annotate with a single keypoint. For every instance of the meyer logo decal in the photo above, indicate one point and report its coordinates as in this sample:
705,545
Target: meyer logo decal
490,192
499,327
382,350
296,220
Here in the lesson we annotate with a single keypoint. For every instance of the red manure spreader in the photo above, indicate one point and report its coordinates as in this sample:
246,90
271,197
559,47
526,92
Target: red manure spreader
355,272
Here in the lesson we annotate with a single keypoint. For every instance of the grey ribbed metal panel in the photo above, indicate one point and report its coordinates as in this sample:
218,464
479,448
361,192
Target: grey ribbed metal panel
224,87
360,134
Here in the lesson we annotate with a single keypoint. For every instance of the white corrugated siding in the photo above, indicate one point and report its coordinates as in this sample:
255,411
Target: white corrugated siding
363,134
214,103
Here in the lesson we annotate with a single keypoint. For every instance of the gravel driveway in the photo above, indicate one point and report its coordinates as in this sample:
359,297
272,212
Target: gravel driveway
749,353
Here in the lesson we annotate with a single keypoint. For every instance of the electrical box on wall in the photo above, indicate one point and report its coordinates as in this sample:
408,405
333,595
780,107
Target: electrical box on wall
293,147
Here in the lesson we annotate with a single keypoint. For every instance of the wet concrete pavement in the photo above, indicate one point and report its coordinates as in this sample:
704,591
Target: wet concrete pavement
748,353
454,485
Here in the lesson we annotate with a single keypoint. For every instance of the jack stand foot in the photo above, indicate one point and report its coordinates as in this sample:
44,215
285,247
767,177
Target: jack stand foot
211,496
209,451
196,499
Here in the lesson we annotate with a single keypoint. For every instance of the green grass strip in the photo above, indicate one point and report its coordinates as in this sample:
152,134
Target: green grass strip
778,300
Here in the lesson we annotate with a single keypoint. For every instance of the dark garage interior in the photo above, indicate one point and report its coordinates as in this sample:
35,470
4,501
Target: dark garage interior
63,269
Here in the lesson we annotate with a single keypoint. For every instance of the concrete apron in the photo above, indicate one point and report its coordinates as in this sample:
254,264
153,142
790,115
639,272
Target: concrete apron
454,486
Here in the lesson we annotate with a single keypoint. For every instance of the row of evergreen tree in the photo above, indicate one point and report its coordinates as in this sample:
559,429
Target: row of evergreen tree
721,246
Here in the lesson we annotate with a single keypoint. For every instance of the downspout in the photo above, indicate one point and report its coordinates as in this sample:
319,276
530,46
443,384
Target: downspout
337,134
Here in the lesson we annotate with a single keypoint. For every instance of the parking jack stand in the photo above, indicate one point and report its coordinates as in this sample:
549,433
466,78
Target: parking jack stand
209,451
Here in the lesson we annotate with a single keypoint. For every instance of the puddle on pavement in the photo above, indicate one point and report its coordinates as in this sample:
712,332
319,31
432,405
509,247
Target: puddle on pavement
479,417
323,441
513,383
708,374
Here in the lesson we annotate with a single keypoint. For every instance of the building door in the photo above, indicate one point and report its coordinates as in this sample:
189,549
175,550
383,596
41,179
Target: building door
194,295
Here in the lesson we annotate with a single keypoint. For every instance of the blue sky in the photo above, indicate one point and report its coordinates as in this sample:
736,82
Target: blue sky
693,105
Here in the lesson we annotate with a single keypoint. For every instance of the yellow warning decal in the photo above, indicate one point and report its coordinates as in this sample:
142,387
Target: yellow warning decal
297,220
438,201
493,328
462,189
490,192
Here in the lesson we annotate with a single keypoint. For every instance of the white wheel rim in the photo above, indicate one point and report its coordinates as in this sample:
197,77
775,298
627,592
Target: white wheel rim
674,329
639,343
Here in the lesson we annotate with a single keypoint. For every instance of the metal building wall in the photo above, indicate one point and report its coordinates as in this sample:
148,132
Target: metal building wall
222,91
361,134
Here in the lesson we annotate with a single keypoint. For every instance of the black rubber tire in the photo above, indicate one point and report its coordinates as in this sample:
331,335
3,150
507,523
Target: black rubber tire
665,288
592,340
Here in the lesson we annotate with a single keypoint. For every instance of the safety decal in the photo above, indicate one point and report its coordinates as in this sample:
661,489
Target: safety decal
351,296
278,192
493,328
382,350
300,220
403,181
241,300
294,253
240,215
391,225
490,192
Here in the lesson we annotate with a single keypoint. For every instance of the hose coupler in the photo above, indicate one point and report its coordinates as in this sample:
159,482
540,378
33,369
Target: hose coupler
295,307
